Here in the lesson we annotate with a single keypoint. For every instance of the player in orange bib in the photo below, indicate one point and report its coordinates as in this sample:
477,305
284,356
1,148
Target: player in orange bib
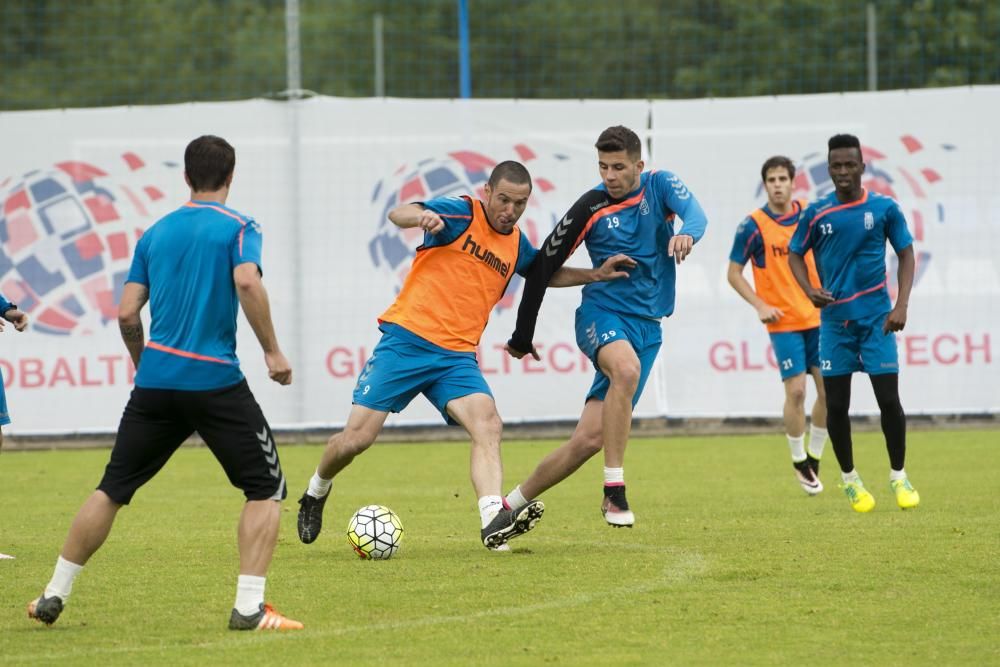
471,251
792,320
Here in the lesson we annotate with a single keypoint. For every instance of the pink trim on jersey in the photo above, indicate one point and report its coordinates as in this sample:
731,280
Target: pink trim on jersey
849,204
861,293
454,215
600,213
188,355
219,209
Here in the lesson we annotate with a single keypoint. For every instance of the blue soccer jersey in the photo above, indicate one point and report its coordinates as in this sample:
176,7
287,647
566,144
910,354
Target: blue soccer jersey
187,260
848,242
639,225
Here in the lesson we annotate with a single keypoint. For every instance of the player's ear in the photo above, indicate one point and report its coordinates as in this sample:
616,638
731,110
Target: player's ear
640,164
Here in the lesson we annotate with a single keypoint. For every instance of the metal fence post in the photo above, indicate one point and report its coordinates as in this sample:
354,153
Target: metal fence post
464,71
870,20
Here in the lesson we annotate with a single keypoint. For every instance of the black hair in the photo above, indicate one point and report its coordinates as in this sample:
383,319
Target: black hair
843,141
620,138
510,171
776,162
208,163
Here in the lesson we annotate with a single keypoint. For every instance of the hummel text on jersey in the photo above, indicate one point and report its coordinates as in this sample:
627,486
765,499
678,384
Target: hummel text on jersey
486,256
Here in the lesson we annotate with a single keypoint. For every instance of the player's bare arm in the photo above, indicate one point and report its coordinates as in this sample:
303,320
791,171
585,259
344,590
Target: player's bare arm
134,297
415,215
613,268
819,296
256,306
767,313
904,277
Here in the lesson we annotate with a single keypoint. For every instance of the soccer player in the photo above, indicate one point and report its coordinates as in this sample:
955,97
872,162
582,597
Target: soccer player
471,250
11,313
847,231
791,318
194,266
618,324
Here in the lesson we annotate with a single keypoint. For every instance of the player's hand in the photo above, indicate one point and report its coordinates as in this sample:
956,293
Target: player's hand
430,222
769,314
896,319
278,368
517,354
680,247
612,268
18,318
819,297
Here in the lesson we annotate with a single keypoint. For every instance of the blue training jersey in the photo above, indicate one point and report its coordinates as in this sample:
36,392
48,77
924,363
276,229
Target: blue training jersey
639,225
848,242
187,260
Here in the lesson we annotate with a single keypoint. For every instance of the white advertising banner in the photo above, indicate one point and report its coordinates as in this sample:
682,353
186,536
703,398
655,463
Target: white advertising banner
78,187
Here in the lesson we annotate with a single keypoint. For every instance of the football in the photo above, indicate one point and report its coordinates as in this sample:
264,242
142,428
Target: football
375,532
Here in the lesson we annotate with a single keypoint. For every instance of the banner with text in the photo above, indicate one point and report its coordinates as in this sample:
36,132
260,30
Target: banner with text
77,188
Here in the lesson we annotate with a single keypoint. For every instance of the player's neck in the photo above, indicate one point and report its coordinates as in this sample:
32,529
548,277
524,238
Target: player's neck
847,196
215,196
779,209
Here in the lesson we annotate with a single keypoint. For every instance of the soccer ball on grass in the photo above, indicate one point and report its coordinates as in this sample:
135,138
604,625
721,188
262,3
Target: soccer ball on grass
375,532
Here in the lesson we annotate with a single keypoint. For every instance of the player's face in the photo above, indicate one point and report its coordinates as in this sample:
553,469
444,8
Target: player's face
778,184
505,203
846,166
619,172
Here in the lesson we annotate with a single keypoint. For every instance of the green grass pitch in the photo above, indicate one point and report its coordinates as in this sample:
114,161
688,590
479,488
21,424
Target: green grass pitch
729,562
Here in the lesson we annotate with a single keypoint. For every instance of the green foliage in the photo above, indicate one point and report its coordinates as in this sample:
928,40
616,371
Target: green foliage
729,563
105,52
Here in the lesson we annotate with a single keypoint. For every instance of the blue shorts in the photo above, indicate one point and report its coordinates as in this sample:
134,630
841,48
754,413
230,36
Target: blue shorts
596,327
403,365
795,351
857,345
4,417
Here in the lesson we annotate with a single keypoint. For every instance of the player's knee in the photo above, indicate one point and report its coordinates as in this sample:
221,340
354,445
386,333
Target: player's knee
356,440
589,444
626,374
796,394
491,427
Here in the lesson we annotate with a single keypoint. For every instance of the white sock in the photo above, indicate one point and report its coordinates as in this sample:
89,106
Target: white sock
851,477
515,498
249,594
614,476
895,475
817,441
319,487
797,446
488,508
62,579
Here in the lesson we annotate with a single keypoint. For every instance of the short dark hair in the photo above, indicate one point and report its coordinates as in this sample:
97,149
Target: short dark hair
510,171
843,141
777,162
620,138
208,163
